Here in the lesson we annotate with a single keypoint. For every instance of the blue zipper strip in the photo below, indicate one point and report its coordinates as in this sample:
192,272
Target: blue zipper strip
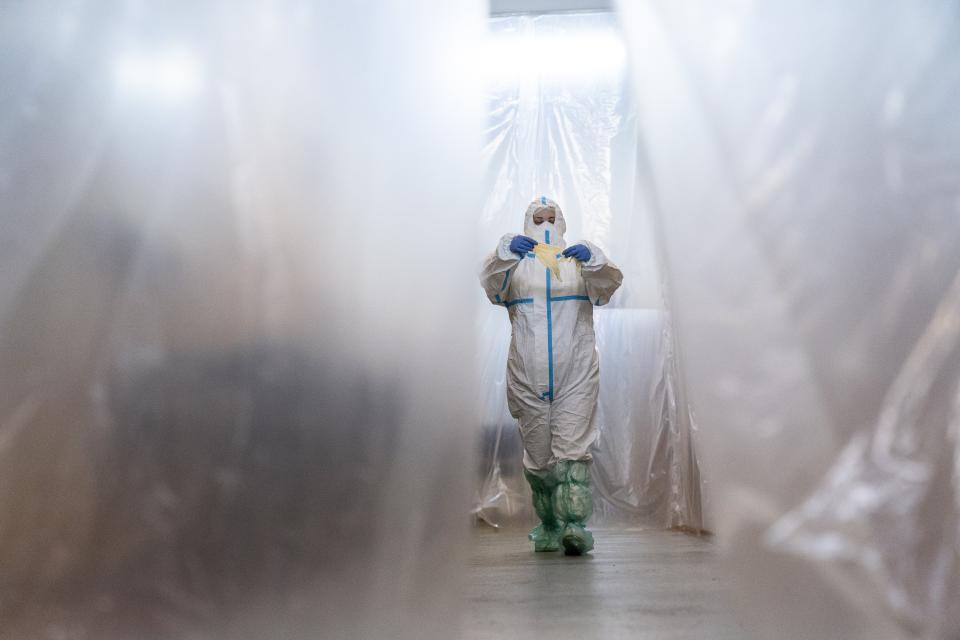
549,393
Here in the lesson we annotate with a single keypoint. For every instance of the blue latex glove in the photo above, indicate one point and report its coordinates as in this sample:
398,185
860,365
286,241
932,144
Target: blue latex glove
522,244
578,251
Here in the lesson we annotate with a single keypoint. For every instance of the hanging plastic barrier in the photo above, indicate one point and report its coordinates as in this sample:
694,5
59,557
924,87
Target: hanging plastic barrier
802,159
206,428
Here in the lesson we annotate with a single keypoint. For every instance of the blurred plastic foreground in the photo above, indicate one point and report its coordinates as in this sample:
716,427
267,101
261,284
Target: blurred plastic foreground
234,240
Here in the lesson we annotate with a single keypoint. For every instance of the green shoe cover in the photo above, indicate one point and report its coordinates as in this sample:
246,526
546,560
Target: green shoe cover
545,539
546,535
573,505
576,540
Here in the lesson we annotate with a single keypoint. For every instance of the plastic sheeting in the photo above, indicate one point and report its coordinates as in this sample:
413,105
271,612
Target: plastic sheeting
803,159
224,410
561,123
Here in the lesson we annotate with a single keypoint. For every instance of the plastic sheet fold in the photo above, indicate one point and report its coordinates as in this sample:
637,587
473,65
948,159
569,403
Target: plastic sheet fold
802,159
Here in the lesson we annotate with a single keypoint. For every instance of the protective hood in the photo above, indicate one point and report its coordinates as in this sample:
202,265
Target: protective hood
539,232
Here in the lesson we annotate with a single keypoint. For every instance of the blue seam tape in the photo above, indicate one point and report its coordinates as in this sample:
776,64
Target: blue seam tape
510,303
543,199
506,277
549,338
558,298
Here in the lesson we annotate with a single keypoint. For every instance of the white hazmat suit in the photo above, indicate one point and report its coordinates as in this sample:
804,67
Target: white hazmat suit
553,370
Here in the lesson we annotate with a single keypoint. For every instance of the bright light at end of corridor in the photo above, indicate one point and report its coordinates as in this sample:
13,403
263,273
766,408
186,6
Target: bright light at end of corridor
573,56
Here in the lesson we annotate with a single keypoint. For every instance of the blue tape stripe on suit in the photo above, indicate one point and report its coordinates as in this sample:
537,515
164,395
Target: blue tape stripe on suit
549,339
506,277
558,298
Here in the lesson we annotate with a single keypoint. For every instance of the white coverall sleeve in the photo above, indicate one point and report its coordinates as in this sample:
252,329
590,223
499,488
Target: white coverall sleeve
601,277
496,270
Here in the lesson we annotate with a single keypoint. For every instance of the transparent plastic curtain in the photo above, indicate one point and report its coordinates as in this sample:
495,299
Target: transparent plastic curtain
561,123
803,161
227,304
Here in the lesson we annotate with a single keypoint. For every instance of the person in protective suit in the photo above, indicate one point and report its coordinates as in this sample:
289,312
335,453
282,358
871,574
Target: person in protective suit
553,370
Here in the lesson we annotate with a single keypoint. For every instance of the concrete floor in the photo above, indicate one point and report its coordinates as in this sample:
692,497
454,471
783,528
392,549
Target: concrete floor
635,584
